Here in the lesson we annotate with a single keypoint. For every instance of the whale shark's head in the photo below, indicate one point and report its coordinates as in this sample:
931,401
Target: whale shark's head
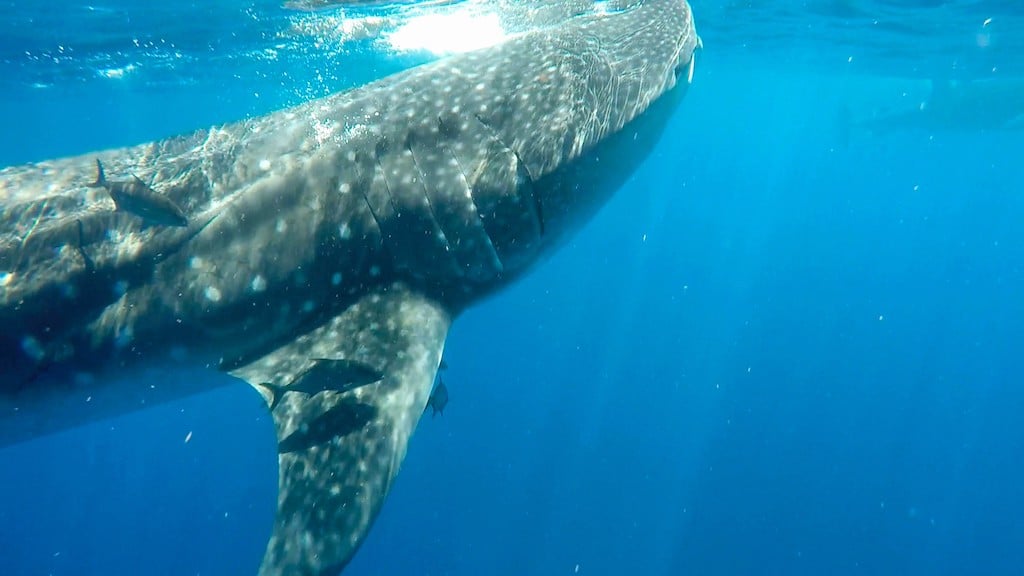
649,44
577,107
637,64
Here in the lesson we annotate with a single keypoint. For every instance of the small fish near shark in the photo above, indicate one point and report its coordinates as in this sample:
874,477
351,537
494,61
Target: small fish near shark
320,253
135,197
338,421
438,399
326,374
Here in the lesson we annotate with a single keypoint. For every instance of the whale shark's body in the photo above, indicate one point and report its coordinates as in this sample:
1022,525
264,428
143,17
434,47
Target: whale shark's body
348,231
942,106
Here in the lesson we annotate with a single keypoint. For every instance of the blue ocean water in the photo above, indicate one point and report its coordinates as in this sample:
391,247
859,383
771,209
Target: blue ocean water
789,345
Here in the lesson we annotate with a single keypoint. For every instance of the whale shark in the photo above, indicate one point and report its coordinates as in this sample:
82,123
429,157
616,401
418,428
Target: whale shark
936,106
320,253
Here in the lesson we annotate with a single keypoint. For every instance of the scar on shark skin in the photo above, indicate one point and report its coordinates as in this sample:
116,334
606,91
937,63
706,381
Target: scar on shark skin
28,234
136,197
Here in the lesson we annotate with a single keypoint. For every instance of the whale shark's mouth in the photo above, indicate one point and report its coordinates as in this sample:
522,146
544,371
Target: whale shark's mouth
686,68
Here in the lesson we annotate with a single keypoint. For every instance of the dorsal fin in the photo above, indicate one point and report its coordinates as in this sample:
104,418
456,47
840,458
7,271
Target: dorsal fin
101,178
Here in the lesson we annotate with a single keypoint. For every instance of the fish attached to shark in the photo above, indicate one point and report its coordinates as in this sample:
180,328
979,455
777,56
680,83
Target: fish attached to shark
135,197
326,374
438,399
323,251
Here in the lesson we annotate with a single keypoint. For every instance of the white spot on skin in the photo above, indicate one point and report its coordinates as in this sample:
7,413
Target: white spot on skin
345,231
6,278
281,226
212,294
259,283
195,262
264,164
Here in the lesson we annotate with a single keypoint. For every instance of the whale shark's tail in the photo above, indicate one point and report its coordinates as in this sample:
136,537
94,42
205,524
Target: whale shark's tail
340,450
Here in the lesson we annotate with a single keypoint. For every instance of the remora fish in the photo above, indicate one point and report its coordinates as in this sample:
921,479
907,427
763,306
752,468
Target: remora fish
326,374
341,419
355,226
136,197
438,399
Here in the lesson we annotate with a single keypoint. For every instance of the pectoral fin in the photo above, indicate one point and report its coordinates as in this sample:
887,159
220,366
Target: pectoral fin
339,451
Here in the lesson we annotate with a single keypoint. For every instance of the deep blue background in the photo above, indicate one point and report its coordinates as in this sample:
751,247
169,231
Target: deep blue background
778,350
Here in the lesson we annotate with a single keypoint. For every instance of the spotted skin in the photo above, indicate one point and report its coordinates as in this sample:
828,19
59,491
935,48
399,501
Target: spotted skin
354,227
